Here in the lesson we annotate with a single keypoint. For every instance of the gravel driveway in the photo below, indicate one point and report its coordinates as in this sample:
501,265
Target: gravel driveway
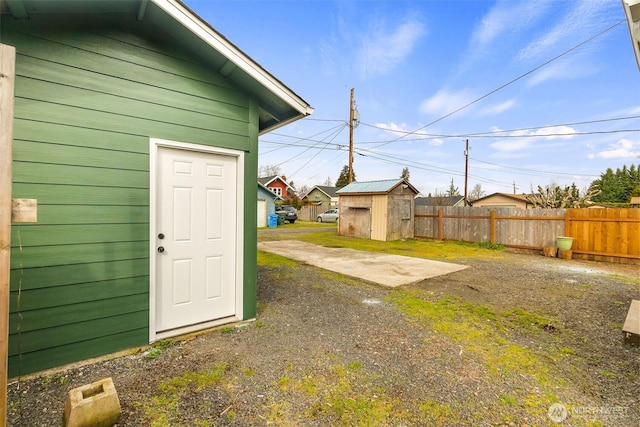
512,340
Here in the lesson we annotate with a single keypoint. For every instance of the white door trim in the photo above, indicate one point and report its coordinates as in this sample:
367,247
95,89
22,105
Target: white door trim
154,145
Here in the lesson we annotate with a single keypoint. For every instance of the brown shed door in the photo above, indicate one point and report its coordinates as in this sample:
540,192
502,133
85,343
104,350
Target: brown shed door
359,223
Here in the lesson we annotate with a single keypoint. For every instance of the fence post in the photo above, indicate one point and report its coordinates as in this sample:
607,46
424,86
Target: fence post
567,220
492,226
440,226
7,80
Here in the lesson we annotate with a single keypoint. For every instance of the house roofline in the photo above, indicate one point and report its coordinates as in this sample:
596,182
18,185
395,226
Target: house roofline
191,20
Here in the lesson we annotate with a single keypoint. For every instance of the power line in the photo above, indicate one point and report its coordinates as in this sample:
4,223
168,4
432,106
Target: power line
533,171
314,156
496,133
508,83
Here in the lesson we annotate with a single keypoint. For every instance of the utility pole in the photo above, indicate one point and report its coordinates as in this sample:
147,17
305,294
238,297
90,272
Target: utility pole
466,170
351,120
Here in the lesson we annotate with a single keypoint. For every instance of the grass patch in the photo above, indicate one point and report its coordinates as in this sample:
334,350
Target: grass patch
158,347
411,247
492,246
634,281
482,334
526,318
268,259
162,409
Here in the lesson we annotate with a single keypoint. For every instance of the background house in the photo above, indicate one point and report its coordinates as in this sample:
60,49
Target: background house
318,200
266,204
503,200
440,201
378,210
136,128
277,184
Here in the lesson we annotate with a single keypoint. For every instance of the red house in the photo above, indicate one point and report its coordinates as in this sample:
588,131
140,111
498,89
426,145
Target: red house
277,184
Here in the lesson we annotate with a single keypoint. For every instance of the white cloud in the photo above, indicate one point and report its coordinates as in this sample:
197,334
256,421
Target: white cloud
524,139
382,50
621,149
445,102
501,19
402,130
579,22
511,144
554,132
492,110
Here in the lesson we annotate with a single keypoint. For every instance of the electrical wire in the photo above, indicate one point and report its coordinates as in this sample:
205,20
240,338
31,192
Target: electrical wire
531,171
497,133
508,83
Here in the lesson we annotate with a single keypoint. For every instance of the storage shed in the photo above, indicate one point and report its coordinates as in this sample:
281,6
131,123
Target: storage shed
378,210
136,128
266,204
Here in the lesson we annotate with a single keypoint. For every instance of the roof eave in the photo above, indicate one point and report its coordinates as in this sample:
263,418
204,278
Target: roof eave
632,12
278,105
188,18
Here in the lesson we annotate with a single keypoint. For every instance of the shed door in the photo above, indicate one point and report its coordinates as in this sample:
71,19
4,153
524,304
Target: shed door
262,212
196,257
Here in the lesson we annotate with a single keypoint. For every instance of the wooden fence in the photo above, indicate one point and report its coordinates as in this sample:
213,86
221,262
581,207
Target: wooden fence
600,234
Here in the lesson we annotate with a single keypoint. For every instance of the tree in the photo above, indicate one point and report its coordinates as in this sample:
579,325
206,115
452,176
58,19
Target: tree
453,190
616,187
405,174
440,198
269,170
328,182
476,193
553,196
343,179
302,191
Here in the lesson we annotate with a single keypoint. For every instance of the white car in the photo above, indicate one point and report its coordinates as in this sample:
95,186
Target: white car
329,216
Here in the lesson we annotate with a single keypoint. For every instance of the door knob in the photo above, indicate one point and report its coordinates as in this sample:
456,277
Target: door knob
161,249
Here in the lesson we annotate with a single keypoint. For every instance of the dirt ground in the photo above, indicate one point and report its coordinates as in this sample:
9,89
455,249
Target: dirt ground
513,340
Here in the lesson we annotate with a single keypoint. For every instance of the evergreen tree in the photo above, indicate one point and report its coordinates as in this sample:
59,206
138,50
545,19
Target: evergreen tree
343,179
616,187
405,174
453,190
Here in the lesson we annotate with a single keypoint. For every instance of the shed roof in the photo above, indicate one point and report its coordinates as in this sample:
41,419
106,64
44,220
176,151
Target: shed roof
375,187
278,105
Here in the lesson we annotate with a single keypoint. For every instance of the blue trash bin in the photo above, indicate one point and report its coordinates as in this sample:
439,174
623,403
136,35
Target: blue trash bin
273,220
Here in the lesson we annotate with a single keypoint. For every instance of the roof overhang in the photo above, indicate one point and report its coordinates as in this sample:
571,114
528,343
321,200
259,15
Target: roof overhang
632,11
278,105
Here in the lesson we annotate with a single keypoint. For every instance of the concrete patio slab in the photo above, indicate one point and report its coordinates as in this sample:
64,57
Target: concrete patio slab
383,269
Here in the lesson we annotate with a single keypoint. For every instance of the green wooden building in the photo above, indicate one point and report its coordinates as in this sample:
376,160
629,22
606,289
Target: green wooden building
136,128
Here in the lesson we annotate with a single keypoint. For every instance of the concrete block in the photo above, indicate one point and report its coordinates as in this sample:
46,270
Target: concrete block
95,405
631,327
568,254
550,251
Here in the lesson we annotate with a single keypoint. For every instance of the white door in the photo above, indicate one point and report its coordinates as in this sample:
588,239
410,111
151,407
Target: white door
196,237
262,213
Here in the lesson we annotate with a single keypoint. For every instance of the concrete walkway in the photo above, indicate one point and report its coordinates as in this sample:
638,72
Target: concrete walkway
383,269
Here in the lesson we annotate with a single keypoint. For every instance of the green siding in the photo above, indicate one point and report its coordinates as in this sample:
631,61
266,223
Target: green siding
86,104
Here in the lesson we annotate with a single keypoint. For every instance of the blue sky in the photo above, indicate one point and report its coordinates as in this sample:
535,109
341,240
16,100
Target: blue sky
544,90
